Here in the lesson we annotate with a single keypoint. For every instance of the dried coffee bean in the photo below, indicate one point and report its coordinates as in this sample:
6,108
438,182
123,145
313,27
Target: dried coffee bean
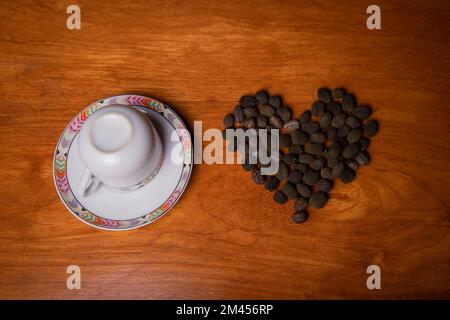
338,120
349,103
250,123
228,121
343,131
284,113
276,102
257,177
333,162
239,114
285,140
326,173
317,137
290,159
362,112
324,185
314,148
353,122
334,108
262,121
311,127
370,128
271,183
295,148
362,158
338,93
331,133
304,190
363,143
276,121
311,177
270,127
266,110
318,108
299,137
249,166
334,150
318,199
262,97
283,171
347,176
289,190
299,216
251,112
305,158
352,164
301,167
351,150
324,95
317,164
291,126
354,135
248,101
325,120
301,204
338,169
280,197
295,176
305,117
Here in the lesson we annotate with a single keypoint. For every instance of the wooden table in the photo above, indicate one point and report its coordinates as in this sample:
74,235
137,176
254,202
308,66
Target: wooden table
226,238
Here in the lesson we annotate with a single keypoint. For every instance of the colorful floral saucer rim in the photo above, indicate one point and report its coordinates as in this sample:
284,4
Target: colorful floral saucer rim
70,132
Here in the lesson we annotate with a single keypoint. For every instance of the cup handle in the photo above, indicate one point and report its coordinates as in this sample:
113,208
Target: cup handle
88,183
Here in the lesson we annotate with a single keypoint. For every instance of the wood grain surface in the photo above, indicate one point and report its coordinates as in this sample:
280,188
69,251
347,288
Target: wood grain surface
226,238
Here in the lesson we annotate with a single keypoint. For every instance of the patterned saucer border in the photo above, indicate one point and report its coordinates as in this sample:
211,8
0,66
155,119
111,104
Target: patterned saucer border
68,135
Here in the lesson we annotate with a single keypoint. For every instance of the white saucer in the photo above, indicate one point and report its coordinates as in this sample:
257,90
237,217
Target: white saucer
107,209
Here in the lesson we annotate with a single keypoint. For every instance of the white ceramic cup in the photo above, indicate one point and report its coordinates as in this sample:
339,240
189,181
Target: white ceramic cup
120,148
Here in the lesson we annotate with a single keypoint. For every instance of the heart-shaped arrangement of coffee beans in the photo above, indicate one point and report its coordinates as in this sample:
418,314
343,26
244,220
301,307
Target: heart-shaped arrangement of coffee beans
327,142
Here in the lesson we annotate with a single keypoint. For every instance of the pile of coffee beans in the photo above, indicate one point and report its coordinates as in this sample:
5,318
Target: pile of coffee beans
325,143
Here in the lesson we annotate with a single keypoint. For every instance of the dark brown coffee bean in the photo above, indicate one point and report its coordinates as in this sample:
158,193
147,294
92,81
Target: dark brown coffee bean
290,190
262,97
301,167
305,158
370,128
324,95
262,121
324,185
285,140
317,137
318,164
301,204
353,122
304,190
276,102
290,159
311,127
248,101
283,171
311,177
326,173
295,176
352,164
333,162
276,121
338,120
251,112
239,114
296,149
354,135
362,158
271,183
334,150
338,93
299,217
318,108
291,125
325,120
364,143
362,112
250,123
331,133
228,121
351,150
266,110
347,176
349,103
318,199
299,137
305,117
270,127
338,169
257,177
314,148
284,113
343,131
280,197
334,108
